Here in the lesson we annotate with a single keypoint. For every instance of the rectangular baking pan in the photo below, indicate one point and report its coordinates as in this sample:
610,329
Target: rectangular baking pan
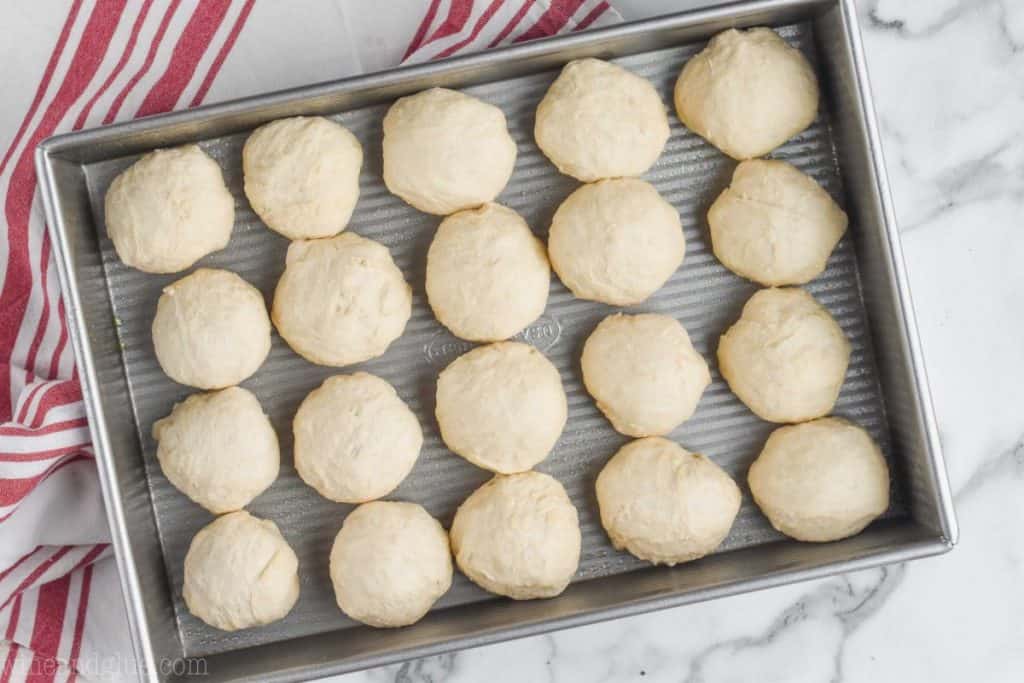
110,308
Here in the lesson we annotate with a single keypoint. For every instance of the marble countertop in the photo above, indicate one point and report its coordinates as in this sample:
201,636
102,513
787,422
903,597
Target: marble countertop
948,78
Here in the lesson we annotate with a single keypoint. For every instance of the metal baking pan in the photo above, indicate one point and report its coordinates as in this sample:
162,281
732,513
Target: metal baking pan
111,306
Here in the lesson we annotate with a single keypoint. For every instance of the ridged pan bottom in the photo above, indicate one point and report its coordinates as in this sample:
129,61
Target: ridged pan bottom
703,295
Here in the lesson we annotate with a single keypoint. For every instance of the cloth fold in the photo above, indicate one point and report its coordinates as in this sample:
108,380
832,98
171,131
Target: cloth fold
92,62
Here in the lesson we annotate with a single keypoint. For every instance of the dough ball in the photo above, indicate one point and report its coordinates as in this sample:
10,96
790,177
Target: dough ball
518,535
501,406
786,357
445,151
665,504
240,572
487,274
341,300
644,373
599,120
302,176
355,439
616,241
747,92
821,480
219,449
775,225
390,563
211,329
168,210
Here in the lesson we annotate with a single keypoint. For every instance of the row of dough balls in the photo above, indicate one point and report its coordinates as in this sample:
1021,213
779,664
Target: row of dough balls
518,535
501,407
211,329
445,152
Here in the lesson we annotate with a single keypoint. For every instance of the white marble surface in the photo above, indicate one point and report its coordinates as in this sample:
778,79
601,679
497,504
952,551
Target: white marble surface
948,77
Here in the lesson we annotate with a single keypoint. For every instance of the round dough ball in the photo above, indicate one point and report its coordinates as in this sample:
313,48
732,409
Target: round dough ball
501,406
599,120
211,329
518,535
219,449
390,563
747,92
168,210
302,176
487,274
663,503
445,151
821,480
341,300
355,439
240,572
775,225
644,373
786,356
616,241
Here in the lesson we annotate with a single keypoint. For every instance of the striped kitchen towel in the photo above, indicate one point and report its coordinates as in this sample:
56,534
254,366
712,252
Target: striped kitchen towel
90,62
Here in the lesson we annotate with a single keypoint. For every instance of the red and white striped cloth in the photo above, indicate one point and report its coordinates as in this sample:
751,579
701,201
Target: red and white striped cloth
88,63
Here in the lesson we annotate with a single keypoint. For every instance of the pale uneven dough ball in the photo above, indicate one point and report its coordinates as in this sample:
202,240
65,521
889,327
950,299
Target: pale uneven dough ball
302,176
747,92
665,504
644,373
240,572
487,274
518,535
341,300
786,357
168,210
445,151
355,439
390,563
501,406
821,480
616,241
775,225
219,449
598,120
211,329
